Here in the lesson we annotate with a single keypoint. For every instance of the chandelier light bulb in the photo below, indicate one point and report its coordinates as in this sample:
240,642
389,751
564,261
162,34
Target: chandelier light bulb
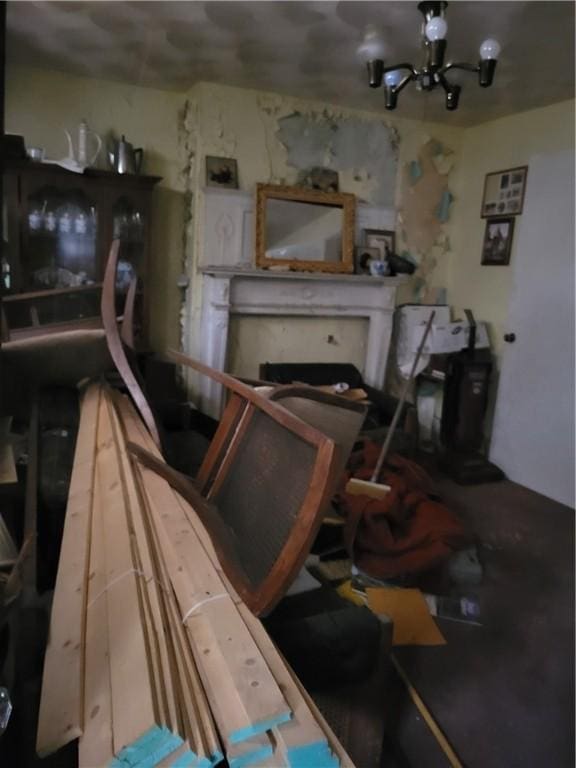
490,49
393,78
372,46
436,28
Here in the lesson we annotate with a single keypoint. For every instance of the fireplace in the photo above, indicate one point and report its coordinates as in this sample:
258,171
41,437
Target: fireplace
228,292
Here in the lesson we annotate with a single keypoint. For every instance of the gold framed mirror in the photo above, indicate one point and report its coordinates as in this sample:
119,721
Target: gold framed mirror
304,229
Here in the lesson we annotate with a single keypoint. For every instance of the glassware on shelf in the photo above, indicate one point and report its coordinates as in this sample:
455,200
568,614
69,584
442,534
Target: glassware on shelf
124,275
81,223
6,279
35,217
137,227
64,221
50,221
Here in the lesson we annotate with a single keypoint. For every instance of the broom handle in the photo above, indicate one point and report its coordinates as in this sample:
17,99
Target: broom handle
392,428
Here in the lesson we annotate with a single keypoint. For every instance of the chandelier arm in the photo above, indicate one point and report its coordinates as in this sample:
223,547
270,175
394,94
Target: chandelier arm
404,82
405,65
457,65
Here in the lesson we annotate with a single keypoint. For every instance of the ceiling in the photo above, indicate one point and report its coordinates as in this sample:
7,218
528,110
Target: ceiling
304,49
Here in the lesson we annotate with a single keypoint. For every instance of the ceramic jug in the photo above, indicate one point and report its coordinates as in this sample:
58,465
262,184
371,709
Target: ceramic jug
82,158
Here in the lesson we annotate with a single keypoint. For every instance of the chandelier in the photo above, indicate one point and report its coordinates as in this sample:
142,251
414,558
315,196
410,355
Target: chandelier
433,71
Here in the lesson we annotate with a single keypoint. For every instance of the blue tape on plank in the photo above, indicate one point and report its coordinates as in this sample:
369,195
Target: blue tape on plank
215,758
148,750
265,725
171,743
316,755
134,752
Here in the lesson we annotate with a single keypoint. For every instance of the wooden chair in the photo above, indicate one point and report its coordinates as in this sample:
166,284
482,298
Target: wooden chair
261,491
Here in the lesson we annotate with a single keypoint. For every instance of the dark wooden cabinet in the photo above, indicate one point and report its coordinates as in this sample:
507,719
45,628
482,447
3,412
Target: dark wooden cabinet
58,227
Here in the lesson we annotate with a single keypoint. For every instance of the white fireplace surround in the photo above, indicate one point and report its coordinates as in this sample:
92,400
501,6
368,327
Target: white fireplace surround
232,287
258,292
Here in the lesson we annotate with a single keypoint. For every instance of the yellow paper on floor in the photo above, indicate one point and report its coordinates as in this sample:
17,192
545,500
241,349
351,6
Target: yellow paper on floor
413,624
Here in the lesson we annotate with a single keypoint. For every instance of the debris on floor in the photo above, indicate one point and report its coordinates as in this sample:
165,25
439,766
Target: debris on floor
408,530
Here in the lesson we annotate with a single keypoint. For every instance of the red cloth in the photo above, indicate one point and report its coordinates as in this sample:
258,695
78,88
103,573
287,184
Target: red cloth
405,532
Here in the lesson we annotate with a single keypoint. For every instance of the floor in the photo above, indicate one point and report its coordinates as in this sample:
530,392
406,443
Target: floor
503,693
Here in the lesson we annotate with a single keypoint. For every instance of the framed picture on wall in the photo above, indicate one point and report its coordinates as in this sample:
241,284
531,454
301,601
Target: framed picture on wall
383,239
221,172
498,241
504,192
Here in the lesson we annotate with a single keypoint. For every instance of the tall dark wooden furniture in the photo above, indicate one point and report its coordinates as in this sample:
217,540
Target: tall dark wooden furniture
59,226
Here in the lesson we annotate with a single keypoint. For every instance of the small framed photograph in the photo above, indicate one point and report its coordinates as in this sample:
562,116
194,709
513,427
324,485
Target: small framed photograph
498,241
382,239
322,179
221,172
363,257
504,192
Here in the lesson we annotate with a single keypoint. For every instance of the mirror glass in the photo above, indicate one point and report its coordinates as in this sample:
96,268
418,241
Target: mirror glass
303,231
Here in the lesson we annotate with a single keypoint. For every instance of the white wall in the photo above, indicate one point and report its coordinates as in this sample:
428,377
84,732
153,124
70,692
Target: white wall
497,145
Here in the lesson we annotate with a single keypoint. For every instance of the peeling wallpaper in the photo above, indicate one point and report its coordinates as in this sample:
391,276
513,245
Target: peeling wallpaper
368,150
274,138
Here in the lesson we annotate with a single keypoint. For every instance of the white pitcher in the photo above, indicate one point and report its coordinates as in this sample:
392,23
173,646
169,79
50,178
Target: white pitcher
82,158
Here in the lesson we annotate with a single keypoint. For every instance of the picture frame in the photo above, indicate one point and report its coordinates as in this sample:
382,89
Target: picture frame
321,179
497,245
383,239
363,256
504,192
221,172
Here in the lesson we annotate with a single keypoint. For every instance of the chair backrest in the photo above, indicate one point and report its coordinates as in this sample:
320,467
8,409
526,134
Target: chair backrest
269,477
339,419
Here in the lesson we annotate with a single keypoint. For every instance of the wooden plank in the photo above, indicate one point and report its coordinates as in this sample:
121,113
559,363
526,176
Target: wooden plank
197,718
243,695
95,747
335,745
310,728
61,705
200,726
155,624
134,707
301,741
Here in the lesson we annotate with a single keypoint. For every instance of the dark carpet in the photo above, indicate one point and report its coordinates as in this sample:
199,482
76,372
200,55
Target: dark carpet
503,692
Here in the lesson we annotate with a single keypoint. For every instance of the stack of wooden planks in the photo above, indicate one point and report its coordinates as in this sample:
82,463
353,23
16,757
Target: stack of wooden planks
152,657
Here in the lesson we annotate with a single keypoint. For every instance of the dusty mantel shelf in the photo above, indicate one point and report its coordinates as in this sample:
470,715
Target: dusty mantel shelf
229,291
272,274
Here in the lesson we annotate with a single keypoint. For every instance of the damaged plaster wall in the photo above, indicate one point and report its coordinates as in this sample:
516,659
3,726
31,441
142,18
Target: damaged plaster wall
276,138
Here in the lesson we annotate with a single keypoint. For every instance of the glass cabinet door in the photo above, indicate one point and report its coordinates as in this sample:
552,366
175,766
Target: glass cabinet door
129,225
59,240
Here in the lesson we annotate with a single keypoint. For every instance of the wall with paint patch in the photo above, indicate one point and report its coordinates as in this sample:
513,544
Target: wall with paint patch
40,104
383,160
494,146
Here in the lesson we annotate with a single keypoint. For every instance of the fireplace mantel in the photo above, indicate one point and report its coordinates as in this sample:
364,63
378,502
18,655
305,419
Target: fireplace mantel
247,291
